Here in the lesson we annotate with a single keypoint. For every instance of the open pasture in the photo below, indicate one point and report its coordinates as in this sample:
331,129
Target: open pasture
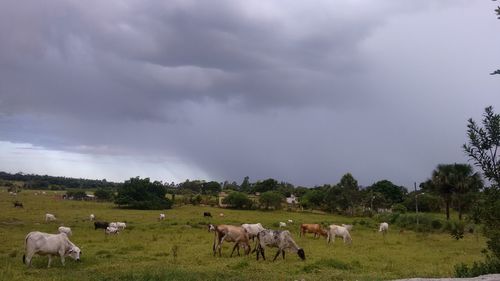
180,247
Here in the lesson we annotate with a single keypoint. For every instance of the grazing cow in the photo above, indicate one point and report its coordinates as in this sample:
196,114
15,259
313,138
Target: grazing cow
49,244
221,215
336,230
111,230
290,221
312,228
100,224
113,224
162,217
253,229
278,239
282,224
230,233
347,226
66,230
121,225
384,227
50,217
207,214
18,204
92,217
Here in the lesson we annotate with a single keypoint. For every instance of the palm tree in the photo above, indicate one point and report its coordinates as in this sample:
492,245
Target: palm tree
442,184
466,182
455,179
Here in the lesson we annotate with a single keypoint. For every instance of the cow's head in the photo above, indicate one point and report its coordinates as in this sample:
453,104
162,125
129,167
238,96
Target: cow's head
74,253
301,254
211,227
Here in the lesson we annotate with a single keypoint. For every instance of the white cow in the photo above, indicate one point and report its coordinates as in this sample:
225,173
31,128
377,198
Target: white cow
50,217
64,229
112,230
45,244
162,217
290,221
337,230
384,227
347,226
92,217
113,224
282,224
120,225
253,229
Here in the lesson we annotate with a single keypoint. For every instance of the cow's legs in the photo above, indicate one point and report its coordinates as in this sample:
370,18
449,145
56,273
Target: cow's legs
27,259
50,261
234,248
283,252
277,254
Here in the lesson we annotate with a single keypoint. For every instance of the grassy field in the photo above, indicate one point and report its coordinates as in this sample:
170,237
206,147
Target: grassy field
180,248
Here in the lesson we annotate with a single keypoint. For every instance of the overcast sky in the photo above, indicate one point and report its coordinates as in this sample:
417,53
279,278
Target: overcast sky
298,91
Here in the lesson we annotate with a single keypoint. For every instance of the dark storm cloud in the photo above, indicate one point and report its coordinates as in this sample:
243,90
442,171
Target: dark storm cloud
302,91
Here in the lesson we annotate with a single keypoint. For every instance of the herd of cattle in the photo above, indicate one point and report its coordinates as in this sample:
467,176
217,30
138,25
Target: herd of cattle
59,244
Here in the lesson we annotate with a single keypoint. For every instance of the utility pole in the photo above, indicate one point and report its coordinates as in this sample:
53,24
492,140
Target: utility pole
416,202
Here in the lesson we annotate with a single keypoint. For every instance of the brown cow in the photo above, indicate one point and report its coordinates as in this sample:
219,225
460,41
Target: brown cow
312,228
230,233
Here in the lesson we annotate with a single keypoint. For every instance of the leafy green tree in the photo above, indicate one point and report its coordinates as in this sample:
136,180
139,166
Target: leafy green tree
211,188
245,185
238,200
271,199
313,198
266,185
142,194
482,149
483,145
392,193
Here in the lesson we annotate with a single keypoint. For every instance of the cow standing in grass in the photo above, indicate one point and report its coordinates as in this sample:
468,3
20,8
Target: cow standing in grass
45,244
277,239
314,228
337,230
230,233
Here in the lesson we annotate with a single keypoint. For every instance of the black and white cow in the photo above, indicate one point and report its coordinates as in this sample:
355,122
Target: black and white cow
277,239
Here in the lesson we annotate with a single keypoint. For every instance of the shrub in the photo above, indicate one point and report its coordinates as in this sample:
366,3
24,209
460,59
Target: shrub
489,266
238,200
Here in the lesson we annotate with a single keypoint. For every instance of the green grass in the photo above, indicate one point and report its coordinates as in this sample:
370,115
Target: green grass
180,248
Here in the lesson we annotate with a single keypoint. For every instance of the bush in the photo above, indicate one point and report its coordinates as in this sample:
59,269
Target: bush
489,266
238,200
104,194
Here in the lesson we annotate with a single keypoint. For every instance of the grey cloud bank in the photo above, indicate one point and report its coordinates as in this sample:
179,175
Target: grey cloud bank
220,90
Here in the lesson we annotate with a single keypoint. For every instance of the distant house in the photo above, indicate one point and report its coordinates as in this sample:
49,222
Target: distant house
222,195
292,200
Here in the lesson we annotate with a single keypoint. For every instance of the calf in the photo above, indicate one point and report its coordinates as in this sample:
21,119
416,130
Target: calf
207,214
336,230
230,233
314,228
51,245
100,224
162,217
111,230
66,230
50,217
278,239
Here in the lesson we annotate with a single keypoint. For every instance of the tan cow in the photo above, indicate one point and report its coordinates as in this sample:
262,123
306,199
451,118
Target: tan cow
312,228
